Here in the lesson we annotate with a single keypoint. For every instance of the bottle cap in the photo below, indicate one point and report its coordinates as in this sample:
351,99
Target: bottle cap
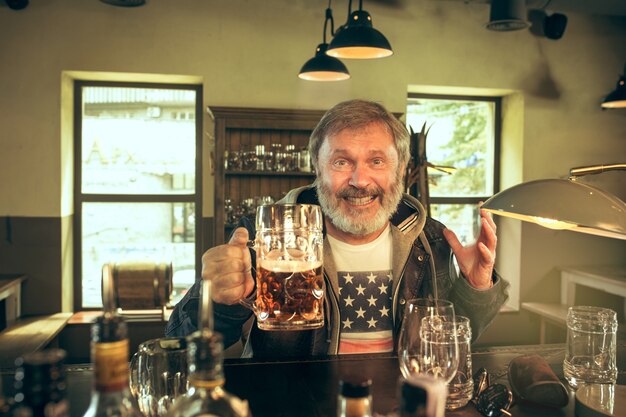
353,389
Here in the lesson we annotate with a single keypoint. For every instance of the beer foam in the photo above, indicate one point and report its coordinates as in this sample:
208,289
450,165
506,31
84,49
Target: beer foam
288,266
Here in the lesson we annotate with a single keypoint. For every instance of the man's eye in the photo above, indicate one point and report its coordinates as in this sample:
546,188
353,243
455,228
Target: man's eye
340,163
377,162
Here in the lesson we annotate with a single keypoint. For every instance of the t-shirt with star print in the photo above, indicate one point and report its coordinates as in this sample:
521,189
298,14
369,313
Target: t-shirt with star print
364,276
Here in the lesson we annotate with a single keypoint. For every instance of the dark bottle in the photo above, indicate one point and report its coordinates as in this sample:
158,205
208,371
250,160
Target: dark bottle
110,395
40,385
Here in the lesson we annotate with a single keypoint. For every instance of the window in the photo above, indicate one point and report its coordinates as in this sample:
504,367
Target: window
137,182
464,134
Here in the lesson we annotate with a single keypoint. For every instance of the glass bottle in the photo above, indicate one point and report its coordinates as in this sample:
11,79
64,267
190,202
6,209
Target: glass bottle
206,396
354,399
40,385
422,396
110,395
6,403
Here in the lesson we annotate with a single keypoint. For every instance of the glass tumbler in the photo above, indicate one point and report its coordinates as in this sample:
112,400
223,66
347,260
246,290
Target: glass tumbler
158,374
590,353
461,387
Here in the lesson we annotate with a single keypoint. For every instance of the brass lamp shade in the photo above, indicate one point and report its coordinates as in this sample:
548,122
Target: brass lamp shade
323,67
359,40
562,205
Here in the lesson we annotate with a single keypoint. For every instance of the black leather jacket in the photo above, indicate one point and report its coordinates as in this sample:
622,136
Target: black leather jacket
418,248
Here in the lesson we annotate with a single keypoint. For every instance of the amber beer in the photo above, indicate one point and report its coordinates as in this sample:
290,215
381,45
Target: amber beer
289,295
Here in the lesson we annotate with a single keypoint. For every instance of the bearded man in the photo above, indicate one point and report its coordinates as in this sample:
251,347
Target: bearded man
375,236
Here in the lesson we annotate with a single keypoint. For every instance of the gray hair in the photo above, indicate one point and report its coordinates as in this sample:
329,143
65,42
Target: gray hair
356,114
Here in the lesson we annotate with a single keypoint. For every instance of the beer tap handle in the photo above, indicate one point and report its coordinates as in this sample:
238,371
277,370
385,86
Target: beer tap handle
205,320
109,302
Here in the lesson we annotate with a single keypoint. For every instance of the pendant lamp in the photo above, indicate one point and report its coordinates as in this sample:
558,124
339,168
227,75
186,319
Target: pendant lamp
323,67
358,39
507,15
617,98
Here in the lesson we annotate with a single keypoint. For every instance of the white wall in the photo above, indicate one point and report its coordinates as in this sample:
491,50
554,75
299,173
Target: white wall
248,53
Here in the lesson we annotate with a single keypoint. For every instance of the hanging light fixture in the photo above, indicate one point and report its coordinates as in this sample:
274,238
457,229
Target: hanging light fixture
358,39
323,67
565,204
617,98
507,15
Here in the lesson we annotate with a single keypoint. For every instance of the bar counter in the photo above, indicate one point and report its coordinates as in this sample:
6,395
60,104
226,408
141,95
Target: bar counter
308,388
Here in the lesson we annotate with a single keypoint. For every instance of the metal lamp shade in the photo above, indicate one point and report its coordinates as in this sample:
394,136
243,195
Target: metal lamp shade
563,205
359,39
125,3
617,98
323,67
507,15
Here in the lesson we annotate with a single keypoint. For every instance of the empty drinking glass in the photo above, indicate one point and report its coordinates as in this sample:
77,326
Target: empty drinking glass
439,351
461,387
590,354
158,374
409,345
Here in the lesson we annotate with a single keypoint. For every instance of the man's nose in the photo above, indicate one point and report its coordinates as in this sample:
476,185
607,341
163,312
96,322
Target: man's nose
360,177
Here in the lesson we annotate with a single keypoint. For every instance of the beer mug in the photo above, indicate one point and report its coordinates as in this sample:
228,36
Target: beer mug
289,282
158,374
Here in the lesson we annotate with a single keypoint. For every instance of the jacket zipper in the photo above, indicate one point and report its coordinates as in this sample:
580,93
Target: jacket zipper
334,329
395,294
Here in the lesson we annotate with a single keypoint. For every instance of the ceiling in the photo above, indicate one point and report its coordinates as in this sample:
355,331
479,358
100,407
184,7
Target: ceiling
600,7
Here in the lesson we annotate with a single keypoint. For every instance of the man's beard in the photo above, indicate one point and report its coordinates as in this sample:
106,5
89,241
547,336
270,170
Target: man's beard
350,222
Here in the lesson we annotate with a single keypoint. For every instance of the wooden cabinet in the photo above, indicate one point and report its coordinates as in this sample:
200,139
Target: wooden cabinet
242,129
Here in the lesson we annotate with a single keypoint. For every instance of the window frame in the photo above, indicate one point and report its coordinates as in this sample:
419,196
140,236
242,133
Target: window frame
80,197
497,125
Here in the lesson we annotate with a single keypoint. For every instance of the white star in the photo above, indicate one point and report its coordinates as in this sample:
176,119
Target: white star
372,300
360,313
371,323
340,288
361,290
349,301
390,276
347,324
371,278
383,288
384,311
348,278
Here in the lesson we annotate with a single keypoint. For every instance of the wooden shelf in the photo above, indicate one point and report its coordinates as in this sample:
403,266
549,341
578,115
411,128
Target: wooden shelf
244,128
28,335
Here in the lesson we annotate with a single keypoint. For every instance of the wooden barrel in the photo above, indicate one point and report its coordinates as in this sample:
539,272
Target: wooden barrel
142,285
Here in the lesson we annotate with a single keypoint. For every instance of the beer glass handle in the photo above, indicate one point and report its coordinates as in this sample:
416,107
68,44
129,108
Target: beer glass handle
134,376
249,302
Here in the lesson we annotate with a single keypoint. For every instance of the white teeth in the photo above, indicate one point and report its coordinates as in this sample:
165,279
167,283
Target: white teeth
360,201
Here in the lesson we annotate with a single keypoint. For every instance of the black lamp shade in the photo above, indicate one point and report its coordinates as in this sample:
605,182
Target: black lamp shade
359,40
507,15
323,67
617,98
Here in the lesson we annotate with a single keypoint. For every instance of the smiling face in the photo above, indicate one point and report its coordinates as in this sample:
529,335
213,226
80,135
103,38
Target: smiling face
359,182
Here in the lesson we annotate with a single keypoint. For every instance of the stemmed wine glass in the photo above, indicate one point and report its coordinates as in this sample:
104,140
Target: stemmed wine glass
411,350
